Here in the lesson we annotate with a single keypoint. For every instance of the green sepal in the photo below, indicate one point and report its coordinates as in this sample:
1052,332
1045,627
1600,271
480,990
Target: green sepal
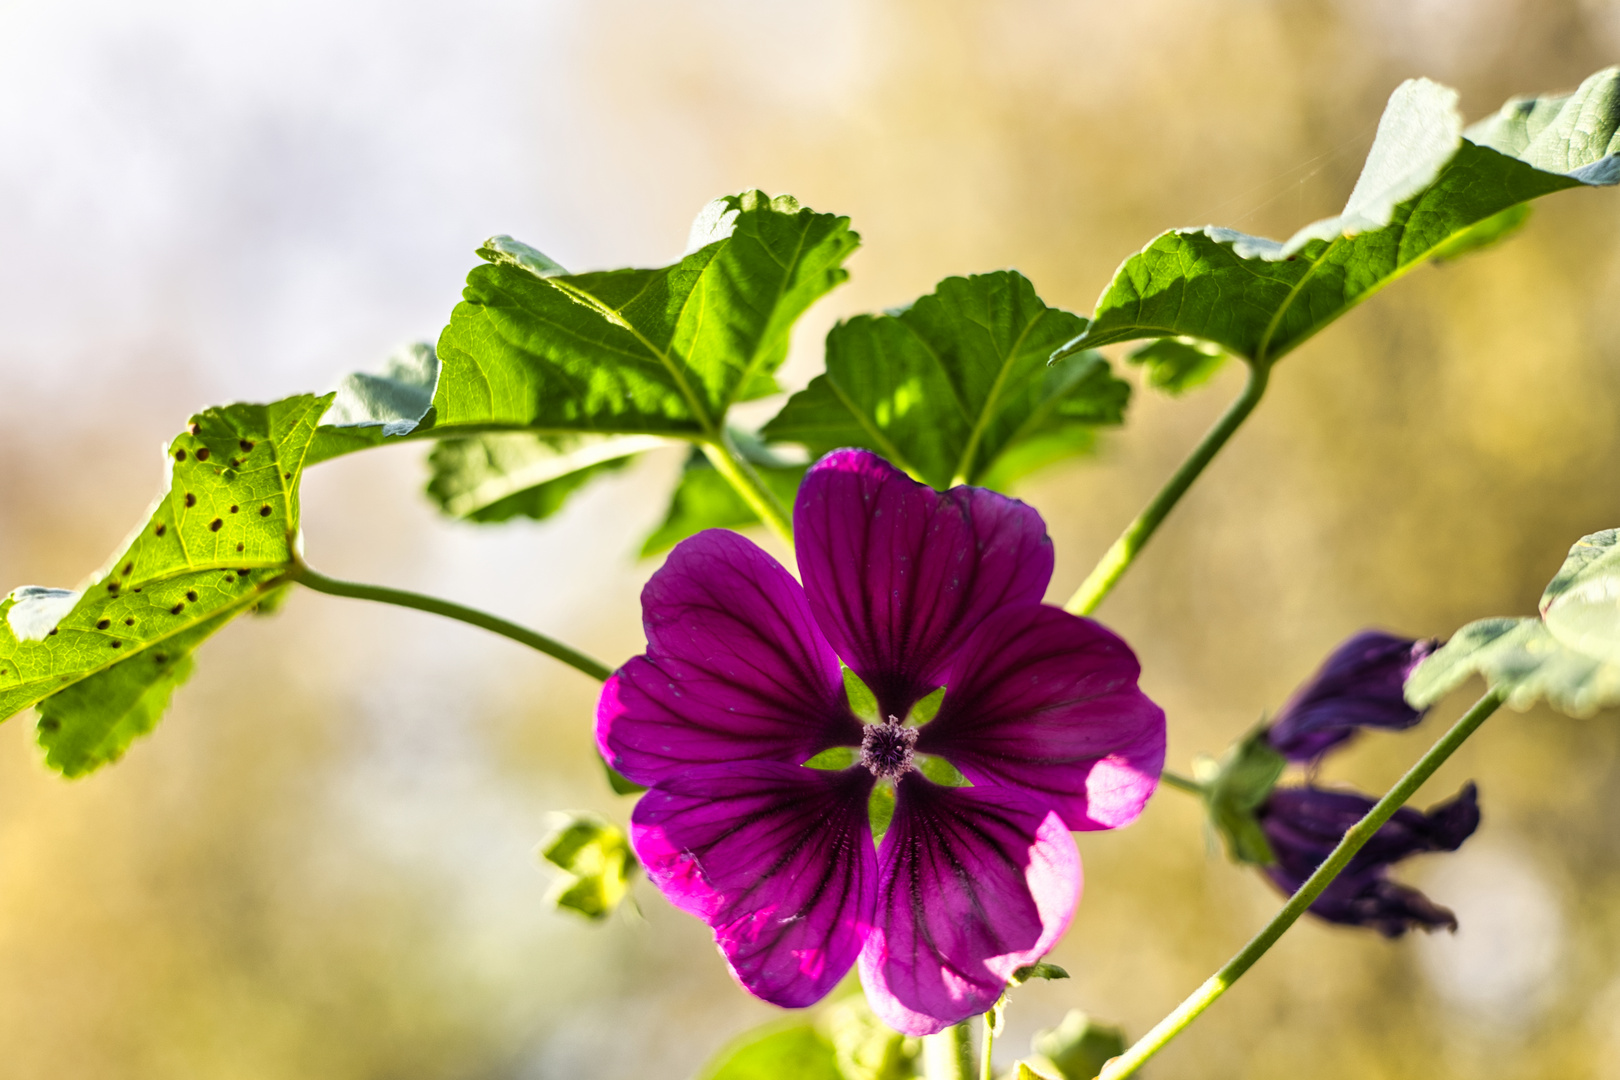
1077,1048
864,1047
1234,790
596,863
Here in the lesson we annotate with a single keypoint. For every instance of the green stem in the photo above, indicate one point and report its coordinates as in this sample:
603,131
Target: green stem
949,1055
1118,558
986,1070
556,649
1174,779
1359,833
722,454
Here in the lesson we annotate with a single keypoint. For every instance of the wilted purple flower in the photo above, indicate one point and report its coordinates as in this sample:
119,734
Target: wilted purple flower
1360,685
1305,824
741,685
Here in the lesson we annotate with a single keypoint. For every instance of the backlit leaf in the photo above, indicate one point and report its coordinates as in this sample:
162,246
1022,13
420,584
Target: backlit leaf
1521,658
777,1052
1581,606
1176,365
944,388
1077,1048
1429,189
216,544
502,475
368,408
663,351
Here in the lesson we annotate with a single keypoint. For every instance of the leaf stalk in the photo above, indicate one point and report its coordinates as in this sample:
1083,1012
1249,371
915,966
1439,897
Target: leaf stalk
1357,835
301,573
949,1054
723,454
1118,558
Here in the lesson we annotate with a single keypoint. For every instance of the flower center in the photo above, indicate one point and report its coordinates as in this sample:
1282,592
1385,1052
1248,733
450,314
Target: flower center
886,748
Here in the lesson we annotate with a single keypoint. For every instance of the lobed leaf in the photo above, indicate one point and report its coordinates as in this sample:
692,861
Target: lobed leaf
1429,189
955,384
367,408
101,663
664,351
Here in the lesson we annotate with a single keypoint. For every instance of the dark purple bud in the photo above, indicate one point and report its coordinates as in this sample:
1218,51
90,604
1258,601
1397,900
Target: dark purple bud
1304,825
1360,685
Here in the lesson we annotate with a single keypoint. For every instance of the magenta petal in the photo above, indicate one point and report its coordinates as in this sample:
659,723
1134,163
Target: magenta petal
735,670
1047,702
899,574
777,859
976,883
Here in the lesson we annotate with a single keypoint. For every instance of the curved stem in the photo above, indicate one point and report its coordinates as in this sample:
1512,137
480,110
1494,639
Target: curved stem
1174,779
722,454
400,598
1359,833
949,1055
1118,558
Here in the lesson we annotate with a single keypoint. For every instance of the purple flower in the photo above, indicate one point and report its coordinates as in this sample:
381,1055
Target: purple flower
1360,685
741,685
1305,824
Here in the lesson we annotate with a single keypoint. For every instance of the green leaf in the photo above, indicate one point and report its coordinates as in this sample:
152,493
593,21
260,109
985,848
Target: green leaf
664,351
704,499
1079,1047
1570,656
946,387
101,663
499,476
1176,365
1581,605
1234,790
1425,192
776,1052
1521,658
596,864
864,1047
367,408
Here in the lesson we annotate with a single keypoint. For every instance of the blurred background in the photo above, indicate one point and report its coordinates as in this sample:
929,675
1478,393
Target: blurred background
322,864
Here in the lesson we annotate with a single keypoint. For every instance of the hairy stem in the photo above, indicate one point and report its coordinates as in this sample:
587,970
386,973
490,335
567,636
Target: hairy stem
400,598
722,454
1119,557
1359,833
949,1055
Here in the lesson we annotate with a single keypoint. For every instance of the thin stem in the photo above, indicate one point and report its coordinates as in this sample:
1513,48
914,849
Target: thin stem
1118,558
1359,833
986,1070
1174,779
722,454
949,1055
556,649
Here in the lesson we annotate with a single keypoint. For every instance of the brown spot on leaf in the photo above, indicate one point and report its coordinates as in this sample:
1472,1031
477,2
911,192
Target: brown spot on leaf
161,529
50,723
216,525
202,454
191,500
103,624
264,511
179,455
247,447
192,596
177,609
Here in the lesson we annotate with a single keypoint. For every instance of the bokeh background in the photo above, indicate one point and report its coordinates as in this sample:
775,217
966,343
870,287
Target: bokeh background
322,865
